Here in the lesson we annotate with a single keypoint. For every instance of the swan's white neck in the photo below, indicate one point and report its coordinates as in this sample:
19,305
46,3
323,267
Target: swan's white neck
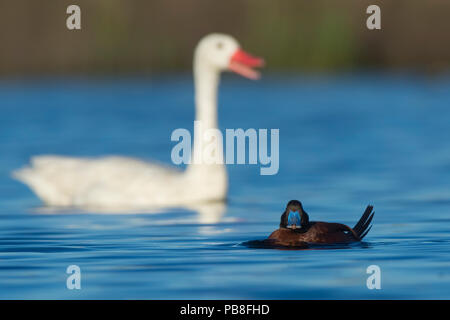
206,79
210,180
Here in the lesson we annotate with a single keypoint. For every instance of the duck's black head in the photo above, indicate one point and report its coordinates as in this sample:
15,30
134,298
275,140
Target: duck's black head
294,205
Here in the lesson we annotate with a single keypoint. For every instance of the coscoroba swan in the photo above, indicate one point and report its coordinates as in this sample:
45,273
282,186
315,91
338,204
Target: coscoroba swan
126,182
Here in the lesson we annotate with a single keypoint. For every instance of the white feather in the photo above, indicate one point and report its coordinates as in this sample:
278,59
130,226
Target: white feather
112,182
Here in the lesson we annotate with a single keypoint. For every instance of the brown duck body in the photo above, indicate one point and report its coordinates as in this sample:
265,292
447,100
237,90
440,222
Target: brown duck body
323,232
316,232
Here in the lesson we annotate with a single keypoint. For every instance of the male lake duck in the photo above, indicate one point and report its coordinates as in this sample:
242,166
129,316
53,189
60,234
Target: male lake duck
317,232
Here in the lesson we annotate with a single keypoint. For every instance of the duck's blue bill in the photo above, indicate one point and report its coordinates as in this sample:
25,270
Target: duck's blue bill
294,218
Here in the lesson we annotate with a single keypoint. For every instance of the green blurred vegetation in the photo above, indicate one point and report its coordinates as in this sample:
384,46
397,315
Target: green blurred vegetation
138,36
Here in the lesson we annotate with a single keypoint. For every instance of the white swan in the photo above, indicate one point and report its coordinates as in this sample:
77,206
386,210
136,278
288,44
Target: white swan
120,182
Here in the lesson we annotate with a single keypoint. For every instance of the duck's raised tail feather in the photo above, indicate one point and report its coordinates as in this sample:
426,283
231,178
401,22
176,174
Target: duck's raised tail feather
362,227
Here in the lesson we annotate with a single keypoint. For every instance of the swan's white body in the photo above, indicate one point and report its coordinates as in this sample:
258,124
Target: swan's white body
120,182
131,183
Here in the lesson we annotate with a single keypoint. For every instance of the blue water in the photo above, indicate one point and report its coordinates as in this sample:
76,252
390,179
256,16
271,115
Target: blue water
345,141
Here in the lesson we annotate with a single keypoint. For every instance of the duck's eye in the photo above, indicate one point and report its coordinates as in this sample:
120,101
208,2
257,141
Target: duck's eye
219,45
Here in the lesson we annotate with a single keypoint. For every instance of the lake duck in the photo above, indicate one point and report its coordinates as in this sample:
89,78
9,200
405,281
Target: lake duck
318,232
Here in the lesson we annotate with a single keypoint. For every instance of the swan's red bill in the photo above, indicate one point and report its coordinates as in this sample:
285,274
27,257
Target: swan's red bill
242,63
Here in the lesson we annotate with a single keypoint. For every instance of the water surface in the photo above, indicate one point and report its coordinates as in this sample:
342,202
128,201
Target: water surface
345,141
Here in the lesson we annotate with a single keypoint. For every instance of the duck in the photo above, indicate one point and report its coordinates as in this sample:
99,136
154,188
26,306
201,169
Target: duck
124,182
318,232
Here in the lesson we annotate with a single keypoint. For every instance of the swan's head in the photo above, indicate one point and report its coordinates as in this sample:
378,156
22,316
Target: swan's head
222,52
